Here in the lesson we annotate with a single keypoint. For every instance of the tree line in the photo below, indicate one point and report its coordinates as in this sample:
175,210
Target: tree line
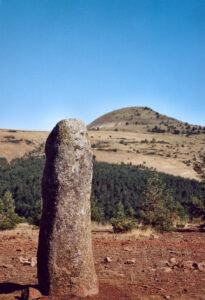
114,187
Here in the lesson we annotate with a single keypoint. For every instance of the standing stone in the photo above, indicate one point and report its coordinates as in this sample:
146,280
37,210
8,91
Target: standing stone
65,258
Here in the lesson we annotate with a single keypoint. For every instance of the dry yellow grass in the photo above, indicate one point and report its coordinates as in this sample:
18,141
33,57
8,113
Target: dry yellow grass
135,233
26,229
166,152
15,143
100,227
169,157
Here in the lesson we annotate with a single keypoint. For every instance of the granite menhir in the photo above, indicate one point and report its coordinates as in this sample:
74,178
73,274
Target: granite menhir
65,257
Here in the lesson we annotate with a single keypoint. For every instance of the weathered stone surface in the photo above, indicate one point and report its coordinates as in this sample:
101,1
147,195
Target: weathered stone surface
65,259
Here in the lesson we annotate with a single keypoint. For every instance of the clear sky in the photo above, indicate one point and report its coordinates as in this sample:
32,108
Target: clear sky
83,58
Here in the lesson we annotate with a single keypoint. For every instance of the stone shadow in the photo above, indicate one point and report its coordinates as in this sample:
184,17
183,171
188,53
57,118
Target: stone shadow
10,287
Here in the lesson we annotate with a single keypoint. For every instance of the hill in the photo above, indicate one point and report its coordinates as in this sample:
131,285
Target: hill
16,143
143,119
136,135
139,135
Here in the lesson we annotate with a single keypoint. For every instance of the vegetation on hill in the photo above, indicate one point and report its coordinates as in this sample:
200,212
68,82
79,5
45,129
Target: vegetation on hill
131,186
158,204
8,217
198,207
134,134
116,188
144,119
22,177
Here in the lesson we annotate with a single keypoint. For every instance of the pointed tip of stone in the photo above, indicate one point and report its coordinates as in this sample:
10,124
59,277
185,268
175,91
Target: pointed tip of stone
71,122
70,126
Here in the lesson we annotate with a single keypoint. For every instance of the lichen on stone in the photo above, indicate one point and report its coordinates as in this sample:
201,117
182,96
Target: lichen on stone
65,258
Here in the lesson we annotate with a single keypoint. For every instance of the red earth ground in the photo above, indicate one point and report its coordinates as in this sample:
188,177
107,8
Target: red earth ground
163,266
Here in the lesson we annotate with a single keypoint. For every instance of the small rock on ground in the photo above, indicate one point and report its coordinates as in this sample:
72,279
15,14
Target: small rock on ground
30,293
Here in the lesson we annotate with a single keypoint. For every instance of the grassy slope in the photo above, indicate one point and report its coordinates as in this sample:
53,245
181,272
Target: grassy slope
132,142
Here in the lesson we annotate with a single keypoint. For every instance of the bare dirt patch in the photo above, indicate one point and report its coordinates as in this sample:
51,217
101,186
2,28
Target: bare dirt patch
130,266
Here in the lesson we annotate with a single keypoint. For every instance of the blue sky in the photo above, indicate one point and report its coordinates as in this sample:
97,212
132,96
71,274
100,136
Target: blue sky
83,58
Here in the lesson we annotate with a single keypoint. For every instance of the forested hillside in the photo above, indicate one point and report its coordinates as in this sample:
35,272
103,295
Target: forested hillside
112,184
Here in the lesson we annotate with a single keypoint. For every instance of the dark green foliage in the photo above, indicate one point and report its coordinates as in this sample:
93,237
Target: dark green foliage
3,162
23,178
15,141
8,218
151,153
111,184
28,142
125,183
9,137
157,129
157,204
145,141
97,212
197,205
36,218
121,223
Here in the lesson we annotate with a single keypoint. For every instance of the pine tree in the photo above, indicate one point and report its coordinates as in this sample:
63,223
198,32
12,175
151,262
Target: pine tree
8,217
120,223
97,212
153,209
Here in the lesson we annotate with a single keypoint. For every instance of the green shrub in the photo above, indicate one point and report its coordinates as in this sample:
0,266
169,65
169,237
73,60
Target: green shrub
120,223
28,142
120,226
8,218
